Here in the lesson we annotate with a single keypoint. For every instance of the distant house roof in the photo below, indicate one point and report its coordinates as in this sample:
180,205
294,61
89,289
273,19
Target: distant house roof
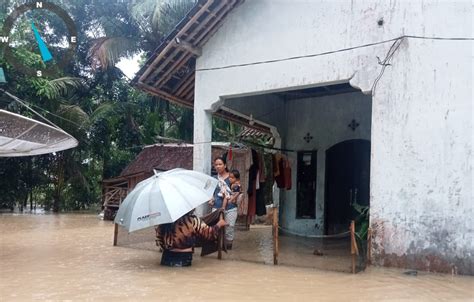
163,158
160,157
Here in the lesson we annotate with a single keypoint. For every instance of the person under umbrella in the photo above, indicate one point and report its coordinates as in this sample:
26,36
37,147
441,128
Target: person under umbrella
178,239
166,201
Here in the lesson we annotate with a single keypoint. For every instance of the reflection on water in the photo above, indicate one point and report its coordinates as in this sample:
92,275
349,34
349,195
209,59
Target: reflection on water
61,257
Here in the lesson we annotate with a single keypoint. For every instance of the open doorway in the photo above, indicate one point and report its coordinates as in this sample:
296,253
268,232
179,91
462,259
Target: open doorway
347,183
325,135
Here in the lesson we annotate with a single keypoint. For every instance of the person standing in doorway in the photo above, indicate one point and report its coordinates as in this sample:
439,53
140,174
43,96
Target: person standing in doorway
221,198
230,204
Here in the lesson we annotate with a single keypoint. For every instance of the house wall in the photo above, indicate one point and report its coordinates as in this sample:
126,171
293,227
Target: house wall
422,113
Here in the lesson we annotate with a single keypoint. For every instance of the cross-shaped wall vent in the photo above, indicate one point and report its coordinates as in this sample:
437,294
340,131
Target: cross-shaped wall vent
353,125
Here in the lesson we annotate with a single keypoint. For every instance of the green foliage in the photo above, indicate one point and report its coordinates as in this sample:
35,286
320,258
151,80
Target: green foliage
107,51
57,88
92,100
361,221
167,12
361,230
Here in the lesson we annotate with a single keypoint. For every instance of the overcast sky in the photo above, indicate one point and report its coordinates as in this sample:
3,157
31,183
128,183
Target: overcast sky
129,66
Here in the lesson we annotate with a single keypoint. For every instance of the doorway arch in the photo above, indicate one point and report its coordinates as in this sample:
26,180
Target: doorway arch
347,181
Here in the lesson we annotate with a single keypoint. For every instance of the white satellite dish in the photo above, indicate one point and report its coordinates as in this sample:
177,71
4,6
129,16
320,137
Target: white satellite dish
22,136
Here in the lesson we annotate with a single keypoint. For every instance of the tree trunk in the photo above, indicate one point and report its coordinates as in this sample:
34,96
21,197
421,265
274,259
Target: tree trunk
25,201
31,200
59,183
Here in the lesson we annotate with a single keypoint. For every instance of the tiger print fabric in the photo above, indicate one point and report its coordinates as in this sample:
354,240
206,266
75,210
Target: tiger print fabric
186,231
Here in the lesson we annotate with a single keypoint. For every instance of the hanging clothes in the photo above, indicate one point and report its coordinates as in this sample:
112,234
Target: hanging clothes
252,187
270,180
260,197
261,168
288,175
260,202
279,175
276,165
283,179
241,161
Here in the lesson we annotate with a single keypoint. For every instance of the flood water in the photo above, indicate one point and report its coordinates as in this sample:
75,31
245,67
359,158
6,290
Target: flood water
71,257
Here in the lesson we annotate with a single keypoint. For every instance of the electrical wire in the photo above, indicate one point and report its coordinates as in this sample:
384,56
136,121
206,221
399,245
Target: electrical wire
335,51
17,99
340,235
386,62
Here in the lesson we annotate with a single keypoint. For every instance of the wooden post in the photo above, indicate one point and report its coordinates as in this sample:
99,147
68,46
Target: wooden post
115,233
275,236
219,244
220,239
369,247
354,249
115,225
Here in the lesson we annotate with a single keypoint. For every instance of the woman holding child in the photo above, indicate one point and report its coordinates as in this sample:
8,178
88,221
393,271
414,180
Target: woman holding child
225,197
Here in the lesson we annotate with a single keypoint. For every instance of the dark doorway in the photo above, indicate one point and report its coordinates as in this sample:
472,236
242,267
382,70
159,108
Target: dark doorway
306,190
347,181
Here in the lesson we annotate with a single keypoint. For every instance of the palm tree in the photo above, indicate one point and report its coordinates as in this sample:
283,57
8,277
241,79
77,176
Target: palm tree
153,20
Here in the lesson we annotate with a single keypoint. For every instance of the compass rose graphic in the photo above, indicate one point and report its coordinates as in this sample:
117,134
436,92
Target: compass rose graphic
54,56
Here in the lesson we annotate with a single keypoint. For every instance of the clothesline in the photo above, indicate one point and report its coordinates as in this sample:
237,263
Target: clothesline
244,142
340,235
267,147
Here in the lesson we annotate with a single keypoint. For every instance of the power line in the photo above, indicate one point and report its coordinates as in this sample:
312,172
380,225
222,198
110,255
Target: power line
335,51
17,99
386,62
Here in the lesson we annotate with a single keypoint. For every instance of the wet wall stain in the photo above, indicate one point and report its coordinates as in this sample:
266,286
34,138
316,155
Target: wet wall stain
435,254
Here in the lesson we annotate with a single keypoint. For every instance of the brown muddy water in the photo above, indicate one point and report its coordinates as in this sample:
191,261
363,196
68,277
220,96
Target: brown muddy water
70,257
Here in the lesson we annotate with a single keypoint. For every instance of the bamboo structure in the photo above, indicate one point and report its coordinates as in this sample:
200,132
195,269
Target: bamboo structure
115,233
369,247
354,248
220,240
275,236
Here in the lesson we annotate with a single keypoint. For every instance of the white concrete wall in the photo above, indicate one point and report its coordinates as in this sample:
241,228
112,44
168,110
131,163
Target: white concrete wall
421,185
327,120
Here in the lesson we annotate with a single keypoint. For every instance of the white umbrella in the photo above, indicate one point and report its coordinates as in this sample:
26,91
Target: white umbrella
164,197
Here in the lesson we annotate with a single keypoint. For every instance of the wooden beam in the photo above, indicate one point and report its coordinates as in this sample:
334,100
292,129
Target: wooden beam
180,43
241,121
190,97
189,80
354,249
165,95
188,91
209,24
206,35
170,45
173,69
169,59
169,71
276,250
